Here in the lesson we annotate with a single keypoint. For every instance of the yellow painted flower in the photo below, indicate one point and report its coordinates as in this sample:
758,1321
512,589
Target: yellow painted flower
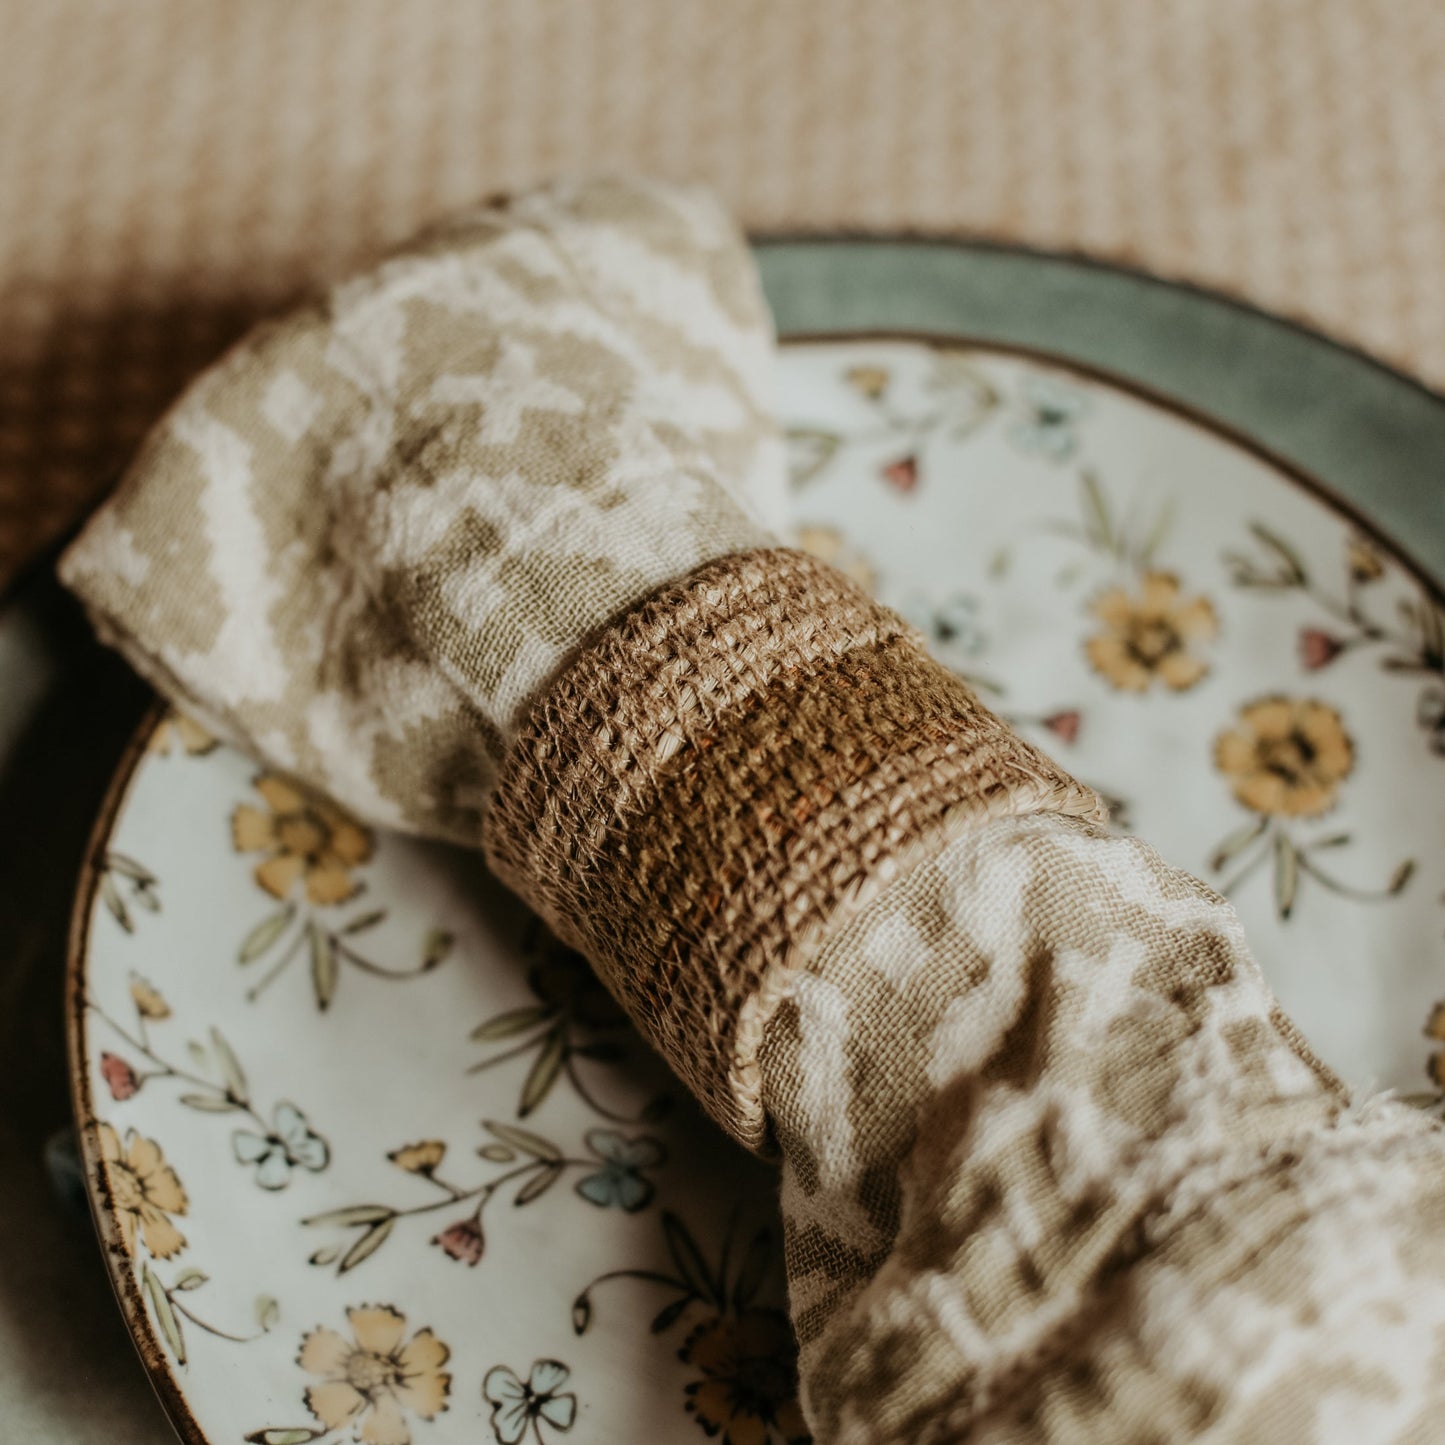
1148,635
829,544
419,1158
872,381
196,740
1364,561
749,1385
148,1000
1286,756
1435,1029
307,839
144,1192
374,1380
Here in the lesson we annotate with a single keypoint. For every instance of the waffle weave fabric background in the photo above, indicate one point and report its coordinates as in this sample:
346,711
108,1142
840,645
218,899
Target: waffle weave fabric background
171,170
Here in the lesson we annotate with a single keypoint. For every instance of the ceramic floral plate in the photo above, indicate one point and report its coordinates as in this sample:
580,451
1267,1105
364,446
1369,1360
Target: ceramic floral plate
371,1155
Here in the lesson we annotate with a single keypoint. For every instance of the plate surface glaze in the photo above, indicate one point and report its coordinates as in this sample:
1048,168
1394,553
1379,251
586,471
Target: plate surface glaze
374,1159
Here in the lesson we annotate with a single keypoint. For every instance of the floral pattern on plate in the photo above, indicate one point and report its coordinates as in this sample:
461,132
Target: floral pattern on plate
292,1175
369,1382
312,853
1256,683
375,1158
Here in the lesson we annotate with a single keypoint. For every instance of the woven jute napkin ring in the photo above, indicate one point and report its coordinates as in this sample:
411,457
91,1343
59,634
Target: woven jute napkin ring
726,773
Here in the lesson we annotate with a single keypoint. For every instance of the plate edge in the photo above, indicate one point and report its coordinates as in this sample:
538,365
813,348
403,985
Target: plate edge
112,1249
1300,477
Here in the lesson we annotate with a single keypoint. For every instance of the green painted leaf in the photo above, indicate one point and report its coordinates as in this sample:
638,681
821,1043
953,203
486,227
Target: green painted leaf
1286,874
1156,534
128,868
507,1025
539,1183
1097,522
545,1071
1401,876
666,1317
324,968
268,1311
1237,842
581,1314
435,948
329,1255
688,1258
356,1214
522,1139
110,896
264,935
170,1325
811,450
754,1268
365,922
209,1103
190,1279
497,1153
367,1245
232,1075
1294,567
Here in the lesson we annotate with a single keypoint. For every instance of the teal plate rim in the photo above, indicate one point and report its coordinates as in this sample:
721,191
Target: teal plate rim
1367,436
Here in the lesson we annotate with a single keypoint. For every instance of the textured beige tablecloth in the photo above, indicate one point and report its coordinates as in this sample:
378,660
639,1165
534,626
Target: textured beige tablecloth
170,168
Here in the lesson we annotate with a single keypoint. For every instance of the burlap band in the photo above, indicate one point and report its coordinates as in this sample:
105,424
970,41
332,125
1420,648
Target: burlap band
725,773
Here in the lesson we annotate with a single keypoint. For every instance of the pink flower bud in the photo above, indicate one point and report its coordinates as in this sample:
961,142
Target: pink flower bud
1318,649
120,1078
1065,724
463,1240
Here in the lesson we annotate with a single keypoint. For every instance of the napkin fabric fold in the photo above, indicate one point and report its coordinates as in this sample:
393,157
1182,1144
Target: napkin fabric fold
1057,1170
480,546
358,545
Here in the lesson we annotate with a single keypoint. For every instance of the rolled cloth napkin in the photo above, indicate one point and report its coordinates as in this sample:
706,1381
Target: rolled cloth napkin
481,545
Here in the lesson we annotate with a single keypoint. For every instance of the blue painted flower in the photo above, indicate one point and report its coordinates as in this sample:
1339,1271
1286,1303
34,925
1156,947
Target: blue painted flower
621,1182
289,1144
1050,408
951,623
517,1404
